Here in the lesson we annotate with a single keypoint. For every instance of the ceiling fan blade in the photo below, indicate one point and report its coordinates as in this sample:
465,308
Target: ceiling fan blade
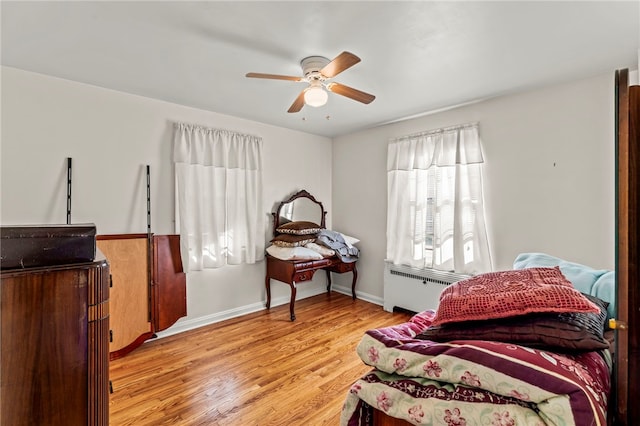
298,103
340,63
273,76
350,92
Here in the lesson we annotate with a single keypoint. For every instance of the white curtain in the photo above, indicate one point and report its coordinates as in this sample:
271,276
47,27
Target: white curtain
435,211
218,197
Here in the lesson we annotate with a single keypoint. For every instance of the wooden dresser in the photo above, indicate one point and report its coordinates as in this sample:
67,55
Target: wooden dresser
55,345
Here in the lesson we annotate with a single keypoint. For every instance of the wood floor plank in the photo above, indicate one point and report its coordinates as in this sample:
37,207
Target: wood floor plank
258,369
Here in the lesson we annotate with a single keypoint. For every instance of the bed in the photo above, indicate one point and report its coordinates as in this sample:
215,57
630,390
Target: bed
476,382
541,368
461,381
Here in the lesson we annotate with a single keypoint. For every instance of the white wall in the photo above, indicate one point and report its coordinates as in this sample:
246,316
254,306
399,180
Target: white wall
549,176
111,136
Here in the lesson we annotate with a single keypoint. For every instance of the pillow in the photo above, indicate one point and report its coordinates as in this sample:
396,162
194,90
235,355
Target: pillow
605,288
546,330
324,251
582,277
299,228
596,282
293,253
509,293
288,240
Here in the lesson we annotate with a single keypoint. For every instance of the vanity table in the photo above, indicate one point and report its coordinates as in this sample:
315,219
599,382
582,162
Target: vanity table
302,206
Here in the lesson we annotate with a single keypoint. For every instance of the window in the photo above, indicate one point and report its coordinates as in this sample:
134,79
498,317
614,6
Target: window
218,197
435,212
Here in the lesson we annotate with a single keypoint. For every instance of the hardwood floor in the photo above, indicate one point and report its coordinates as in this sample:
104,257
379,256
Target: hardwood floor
258,369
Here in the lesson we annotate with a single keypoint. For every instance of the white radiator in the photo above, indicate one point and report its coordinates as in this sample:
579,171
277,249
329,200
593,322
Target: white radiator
413,289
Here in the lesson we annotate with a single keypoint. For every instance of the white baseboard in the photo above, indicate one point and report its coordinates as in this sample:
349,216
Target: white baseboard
193,323
360,295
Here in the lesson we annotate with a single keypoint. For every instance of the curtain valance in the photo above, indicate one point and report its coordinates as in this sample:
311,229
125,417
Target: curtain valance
215,147
443,147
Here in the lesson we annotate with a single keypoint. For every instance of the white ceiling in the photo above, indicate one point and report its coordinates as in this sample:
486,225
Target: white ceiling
417,57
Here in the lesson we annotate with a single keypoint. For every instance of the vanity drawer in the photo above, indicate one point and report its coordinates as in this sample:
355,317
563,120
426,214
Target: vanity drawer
312,265
342,267
303,276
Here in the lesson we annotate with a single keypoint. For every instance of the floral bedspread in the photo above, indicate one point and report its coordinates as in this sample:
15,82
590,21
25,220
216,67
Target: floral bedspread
474,382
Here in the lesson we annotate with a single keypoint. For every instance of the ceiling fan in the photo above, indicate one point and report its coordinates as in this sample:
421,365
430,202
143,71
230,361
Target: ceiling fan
317,71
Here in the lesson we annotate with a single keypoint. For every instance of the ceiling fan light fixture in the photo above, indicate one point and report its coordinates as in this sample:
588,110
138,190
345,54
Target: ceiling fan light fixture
317,70
315,96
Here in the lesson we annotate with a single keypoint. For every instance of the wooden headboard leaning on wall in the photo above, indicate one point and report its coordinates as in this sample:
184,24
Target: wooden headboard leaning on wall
142,303
627,356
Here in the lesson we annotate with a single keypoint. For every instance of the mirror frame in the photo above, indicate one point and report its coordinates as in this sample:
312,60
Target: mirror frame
300,194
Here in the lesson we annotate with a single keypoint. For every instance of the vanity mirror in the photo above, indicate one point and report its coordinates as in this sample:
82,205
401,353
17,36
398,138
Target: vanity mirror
299,219
302,206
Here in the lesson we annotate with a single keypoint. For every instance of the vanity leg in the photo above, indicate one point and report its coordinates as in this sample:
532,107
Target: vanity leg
267,284
353,283
328,280
293,301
